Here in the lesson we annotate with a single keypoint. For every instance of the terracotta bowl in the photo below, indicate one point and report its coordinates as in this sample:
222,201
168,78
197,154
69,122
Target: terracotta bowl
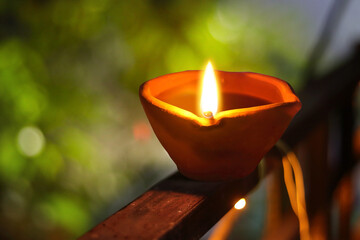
254,112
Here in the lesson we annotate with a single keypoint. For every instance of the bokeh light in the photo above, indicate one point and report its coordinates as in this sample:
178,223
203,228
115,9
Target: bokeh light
31,141
75,144
240,204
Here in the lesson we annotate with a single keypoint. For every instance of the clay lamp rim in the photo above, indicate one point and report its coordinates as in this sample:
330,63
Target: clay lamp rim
287,94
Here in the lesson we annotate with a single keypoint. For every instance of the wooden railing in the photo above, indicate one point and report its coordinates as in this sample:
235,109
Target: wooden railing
179,208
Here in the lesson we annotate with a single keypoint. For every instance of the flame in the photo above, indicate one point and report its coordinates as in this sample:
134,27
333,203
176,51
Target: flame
209,93
240,204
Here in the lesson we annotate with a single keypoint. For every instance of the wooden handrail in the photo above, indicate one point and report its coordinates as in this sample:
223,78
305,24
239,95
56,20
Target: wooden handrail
179,208
175,208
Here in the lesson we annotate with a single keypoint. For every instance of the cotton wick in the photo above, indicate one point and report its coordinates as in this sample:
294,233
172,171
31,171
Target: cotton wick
208,114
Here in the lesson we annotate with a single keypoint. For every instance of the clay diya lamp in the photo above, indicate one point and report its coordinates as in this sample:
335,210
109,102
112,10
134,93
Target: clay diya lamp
254,111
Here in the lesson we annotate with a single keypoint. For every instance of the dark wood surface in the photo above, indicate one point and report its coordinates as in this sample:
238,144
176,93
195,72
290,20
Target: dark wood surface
175,208
179,208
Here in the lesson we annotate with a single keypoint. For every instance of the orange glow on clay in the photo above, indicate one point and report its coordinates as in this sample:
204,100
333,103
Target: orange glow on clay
172,105
240,204
209,101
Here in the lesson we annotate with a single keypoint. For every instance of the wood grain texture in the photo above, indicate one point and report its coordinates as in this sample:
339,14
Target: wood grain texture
179,208
175,208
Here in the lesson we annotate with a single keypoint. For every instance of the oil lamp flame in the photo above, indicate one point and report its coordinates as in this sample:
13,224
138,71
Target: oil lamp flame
240,204
209,93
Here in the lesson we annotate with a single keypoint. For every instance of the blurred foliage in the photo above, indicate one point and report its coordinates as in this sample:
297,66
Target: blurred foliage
74,142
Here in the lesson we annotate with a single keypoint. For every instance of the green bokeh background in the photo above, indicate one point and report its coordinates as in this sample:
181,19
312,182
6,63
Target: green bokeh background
69,76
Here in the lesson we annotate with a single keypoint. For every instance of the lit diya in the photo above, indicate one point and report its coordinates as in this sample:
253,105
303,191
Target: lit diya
218,125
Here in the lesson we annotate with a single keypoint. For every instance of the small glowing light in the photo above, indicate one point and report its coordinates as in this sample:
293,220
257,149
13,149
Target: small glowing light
240,204
209,93
30,141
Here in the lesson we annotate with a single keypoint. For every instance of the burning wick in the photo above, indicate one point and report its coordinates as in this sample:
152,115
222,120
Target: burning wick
208,114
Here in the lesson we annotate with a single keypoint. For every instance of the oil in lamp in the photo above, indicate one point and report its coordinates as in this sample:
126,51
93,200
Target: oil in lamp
218,125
